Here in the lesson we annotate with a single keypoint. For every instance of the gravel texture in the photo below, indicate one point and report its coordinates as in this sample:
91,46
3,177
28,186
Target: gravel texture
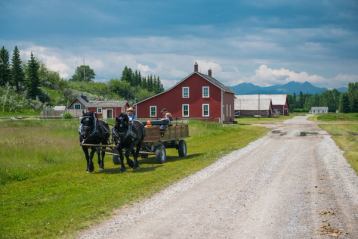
284,185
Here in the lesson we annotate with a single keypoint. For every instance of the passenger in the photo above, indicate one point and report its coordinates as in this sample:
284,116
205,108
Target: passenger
166,118
166,115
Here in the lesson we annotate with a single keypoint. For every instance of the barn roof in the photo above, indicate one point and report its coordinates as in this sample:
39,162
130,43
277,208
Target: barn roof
206,77
276,99
252,103
215,82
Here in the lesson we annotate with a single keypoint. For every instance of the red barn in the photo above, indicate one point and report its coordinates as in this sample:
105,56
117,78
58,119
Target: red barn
197,96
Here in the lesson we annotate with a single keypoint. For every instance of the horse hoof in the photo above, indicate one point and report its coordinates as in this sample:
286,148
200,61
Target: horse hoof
122,170
100,170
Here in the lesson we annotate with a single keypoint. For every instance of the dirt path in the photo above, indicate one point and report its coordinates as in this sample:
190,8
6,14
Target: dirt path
281,186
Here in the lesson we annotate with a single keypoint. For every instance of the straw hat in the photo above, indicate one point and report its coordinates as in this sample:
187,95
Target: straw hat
130,109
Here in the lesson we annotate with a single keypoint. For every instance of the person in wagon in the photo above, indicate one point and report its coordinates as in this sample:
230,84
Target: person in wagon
166,118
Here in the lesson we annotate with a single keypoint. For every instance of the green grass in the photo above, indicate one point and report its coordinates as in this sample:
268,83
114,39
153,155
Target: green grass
344,131
24,113
338,117
263,120
46,193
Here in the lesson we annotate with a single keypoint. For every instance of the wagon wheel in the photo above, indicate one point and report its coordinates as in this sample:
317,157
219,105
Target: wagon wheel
182,149
161,154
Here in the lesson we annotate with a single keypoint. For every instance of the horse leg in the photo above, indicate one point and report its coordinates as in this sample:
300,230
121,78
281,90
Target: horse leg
99,149
85,151
91,166
135,155
102,158
120,152
129,161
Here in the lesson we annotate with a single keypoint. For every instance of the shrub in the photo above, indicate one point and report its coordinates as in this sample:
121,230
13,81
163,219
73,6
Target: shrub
67,115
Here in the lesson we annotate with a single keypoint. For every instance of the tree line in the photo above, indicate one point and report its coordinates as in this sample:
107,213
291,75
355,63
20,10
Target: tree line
22,78
346,102
31,84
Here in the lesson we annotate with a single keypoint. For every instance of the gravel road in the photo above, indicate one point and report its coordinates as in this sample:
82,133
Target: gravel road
287,184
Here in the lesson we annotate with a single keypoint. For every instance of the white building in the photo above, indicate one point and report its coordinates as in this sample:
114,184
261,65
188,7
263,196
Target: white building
319,110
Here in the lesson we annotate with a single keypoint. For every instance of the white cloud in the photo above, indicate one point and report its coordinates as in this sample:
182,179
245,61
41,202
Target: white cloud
266,76
144,68
205,65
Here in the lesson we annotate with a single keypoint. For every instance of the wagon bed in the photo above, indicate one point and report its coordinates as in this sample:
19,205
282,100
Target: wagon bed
160,136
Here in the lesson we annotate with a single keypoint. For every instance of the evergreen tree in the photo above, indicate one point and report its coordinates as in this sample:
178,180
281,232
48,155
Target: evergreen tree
344,103
83,73
353,96
33,79
4,67
150,83
17,72
144,83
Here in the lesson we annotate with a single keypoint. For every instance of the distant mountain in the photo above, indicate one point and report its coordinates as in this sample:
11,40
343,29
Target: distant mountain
289,88
342,89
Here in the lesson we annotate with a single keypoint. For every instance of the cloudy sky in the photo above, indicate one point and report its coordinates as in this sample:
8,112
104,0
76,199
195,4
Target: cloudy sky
264,42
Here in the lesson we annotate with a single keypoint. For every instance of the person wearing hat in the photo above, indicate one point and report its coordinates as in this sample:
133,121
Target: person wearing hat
166,118
131,114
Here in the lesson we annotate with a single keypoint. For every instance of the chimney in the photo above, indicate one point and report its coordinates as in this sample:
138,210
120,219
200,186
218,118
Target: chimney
210,72
196,67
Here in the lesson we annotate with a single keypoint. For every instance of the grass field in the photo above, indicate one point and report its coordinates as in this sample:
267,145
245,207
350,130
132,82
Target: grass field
46,193
263,120
344,131
24,113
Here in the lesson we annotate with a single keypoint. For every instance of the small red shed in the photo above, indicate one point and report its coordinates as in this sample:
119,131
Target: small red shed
104,109
197,96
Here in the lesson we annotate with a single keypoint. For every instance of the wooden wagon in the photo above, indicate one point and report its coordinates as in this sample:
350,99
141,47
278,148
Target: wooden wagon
159,137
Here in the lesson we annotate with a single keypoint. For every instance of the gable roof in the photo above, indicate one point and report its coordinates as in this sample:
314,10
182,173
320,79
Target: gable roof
215,82
252,103
276,99
99,103
109,103
212,80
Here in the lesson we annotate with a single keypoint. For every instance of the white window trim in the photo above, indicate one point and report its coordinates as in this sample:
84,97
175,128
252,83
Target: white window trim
182,91
182,110
150,111
99,110
202,110
74,106
202,91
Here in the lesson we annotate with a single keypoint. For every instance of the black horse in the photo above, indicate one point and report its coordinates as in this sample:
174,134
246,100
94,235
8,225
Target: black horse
129,136
93,131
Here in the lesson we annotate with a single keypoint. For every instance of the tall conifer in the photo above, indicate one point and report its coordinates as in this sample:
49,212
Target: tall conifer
33,77
4,67
17,72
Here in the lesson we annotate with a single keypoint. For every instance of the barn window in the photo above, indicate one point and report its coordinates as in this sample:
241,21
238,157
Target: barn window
205,110
99,110
185,92
185,110
77,106
205,92
153,111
